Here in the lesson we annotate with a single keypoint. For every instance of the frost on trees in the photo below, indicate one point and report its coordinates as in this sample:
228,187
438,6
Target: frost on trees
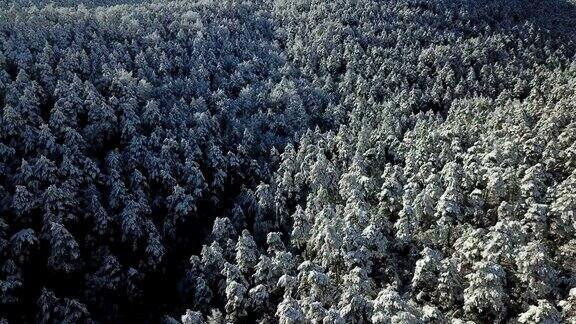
273,161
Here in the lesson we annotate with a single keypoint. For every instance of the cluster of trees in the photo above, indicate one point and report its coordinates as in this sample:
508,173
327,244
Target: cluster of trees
445,192
124,132
267,161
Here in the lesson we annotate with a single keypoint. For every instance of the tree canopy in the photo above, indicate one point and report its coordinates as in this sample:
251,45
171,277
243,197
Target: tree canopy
287,161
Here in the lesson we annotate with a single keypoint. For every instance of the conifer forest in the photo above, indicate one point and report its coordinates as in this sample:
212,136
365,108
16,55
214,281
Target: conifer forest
288,161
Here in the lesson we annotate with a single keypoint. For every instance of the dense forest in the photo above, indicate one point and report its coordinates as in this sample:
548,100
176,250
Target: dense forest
288,161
